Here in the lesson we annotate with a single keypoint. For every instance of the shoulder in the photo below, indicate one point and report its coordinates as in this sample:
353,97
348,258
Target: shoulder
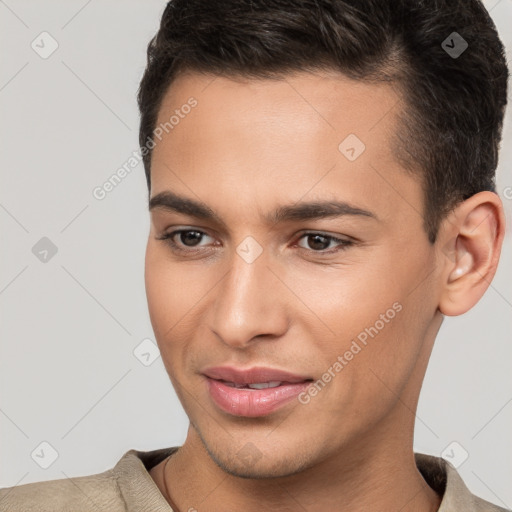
92,492
446,481
126,487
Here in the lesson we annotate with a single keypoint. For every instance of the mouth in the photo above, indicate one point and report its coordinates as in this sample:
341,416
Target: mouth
254,392
255,385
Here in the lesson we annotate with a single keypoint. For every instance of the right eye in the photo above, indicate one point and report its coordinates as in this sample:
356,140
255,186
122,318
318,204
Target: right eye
184,237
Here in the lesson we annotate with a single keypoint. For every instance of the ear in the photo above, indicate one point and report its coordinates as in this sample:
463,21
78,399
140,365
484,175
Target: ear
470,241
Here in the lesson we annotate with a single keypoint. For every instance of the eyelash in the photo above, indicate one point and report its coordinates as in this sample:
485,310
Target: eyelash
344,244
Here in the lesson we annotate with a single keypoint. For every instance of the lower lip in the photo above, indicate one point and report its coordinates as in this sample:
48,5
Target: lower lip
253,402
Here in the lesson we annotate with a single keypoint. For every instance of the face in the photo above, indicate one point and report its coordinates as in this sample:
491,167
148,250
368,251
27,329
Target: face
307,256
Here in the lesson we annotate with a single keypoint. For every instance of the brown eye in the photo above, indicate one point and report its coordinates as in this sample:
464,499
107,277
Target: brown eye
184,239
319,242
190,238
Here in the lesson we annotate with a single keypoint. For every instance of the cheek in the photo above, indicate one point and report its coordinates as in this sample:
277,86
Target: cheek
175,295
376,324
171,292
347,298
164,297
383,351
160,291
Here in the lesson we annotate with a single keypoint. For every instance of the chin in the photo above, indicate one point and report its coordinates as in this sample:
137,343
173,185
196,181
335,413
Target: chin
275,468
245,460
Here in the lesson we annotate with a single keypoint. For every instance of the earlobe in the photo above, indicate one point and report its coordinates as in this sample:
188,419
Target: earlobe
475,231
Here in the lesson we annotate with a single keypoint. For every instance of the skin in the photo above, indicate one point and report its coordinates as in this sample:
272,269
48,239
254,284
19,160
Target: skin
248,147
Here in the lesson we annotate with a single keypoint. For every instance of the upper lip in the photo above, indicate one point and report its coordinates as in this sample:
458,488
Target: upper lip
257,374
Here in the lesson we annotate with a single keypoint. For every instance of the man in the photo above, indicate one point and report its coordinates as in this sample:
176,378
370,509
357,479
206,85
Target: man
321,192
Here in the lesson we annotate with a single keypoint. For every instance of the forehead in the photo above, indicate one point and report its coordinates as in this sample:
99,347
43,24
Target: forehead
305,134
303,105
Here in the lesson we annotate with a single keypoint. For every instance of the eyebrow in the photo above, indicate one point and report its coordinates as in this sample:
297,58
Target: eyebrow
169,201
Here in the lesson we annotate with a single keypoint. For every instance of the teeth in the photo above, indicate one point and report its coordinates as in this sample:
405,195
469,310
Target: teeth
258,385
264,385
233,385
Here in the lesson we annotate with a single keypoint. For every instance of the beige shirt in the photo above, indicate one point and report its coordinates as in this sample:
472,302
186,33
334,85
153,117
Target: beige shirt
128,487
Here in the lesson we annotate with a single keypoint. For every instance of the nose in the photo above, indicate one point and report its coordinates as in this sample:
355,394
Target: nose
249,303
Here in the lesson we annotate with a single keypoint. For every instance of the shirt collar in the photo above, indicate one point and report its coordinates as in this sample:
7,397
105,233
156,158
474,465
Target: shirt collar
446,481
138,489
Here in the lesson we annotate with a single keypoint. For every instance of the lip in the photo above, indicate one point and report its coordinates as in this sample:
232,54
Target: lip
252,375
252,402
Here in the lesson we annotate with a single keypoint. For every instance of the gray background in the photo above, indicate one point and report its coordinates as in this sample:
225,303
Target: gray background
68,373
